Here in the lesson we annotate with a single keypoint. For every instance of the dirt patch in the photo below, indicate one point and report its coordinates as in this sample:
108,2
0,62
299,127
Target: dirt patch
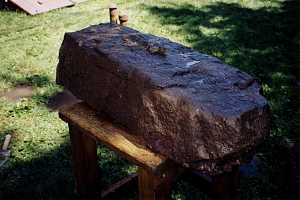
15,94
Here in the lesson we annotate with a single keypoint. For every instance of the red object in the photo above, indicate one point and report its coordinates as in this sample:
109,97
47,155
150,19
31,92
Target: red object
33,7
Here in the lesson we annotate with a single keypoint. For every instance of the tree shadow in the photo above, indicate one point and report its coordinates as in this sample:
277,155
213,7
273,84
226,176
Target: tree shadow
7,6
50,176
265,43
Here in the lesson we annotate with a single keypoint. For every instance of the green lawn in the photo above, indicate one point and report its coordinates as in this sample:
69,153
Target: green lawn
258,36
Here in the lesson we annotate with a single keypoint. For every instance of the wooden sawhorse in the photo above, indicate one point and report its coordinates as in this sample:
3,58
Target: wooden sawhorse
156,173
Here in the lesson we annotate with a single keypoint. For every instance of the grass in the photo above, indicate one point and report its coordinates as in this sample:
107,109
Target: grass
258,36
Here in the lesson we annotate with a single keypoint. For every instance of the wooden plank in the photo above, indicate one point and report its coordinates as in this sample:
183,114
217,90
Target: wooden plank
78,1
33,7
115,138
42,1
224,185
53,4
84,160
123,185
153,187
199,180
27,6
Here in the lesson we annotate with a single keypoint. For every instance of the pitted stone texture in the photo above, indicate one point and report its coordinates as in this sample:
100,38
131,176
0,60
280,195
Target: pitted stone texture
186,105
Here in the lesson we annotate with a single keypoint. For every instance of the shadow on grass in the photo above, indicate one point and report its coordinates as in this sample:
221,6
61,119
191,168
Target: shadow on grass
50,176
264,43
36,80
7,6
46,177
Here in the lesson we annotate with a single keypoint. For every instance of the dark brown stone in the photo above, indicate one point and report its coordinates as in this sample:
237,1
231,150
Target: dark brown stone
186,105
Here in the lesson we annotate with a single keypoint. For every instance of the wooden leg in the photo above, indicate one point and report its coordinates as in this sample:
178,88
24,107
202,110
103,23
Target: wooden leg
152,187
84,157
224,186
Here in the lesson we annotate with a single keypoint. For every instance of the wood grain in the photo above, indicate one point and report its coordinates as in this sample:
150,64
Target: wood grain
224,185
84,160
153,187
115,138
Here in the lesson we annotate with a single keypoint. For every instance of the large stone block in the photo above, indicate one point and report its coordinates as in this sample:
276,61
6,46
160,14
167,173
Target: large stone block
184,104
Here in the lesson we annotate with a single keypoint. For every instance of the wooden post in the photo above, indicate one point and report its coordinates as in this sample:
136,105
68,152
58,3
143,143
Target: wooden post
6,142
113,13
123,19
85,168
224,186
153,187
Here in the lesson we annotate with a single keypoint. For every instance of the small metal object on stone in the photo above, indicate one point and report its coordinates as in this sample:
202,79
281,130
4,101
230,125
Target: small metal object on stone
123,19
113,13
186,105
155,47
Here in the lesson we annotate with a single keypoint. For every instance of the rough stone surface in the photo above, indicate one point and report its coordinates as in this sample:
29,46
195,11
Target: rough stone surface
186,105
